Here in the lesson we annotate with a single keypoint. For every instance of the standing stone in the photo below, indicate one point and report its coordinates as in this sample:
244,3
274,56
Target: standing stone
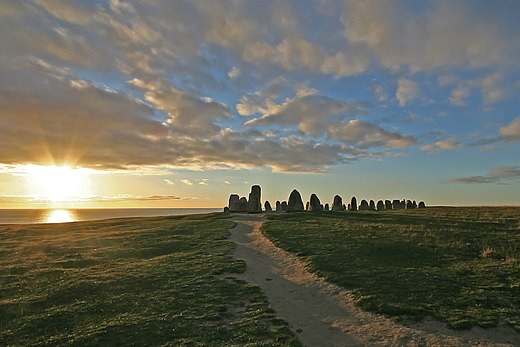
314,203
327,207
414,204
337,204
380,205
409,205
403,204
396,204
388,204
295,203
422,205
255,205
353,204
278,206
233,203
372,205
242,204
226,210
284,205
364,205
307,206
267,206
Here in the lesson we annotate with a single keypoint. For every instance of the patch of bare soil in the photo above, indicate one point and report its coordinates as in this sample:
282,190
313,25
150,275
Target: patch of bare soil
322,314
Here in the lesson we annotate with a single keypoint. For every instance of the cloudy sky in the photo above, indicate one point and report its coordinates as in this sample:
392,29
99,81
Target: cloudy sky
180,103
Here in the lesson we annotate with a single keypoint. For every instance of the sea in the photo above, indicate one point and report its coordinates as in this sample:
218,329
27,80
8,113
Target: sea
65,215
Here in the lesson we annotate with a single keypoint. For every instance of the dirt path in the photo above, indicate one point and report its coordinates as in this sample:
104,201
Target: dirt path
322,314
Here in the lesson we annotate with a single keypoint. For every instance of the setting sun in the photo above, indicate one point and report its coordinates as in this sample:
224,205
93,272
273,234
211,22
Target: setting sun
58,183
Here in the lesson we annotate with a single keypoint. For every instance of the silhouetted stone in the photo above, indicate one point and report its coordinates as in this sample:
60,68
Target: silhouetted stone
314,203
422,205
409,205
380,205
284,205
242,204
255,205
372,205
226,210
233,203
295,203
353,204
388,205
403,204
326,208
337,204
348,207
267,206
396,204
414,204
307,206
364,205
278,206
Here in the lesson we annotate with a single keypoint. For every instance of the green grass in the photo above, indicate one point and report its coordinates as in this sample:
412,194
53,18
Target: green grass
145,281
459,265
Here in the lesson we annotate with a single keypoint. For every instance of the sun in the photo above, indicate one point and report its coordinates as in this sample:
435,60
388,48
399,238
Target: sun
57,183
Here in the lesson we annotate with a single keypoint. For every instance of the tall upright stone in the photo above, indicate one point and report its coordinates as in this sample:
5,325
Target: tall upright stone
233,203
284,205
242,204
409,205
353,204
372,205
414,204
255,204
267,206
295,203
388,205
337,204
363,206
422,204
278,206
380,205
307,206
314,203
326,207
396,204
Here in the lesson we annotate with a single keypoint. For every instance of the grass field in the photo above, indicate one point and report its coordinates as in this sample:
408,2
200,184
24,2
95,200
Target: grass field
146,281
459,265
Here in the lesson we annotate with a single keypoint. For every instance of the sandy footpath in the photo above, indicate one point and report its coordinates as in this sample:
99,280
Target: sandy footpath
322,314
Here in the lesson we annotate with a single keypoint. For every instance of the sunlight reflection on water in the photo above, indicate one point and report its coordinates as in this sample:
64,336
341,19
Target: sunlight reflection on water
59,216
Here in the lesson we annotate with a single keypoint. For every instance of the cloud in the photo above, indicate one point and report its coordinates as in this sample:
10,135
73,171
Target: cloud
187,182
459,95
441,146
407,90
380,92
366,135
168,181
511,132
311,113
498,175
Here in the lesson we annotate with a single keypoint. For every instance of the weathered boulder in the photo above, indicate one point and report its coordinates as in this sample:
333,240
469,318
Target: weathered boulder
409,205
396,204
233,203
364,205
314,203
226,210
284,205
422,204
254,205
242,204
278,206
337,204
388,205
295,203
267,206
353,204
372,205
326,208
380,205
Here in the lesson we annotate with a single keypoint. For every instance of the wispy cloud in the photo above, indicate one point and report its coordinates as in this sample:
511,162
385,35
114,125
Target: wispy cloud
187,182
441,146
498,175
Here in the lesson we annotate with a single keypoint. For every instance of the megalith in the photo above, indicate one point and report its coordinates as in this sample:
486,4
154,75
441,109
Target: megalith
233,203
295,203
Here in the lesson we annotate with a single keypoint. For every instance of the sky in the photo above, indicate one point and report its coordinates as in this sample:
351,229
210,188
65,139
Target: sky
182,103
